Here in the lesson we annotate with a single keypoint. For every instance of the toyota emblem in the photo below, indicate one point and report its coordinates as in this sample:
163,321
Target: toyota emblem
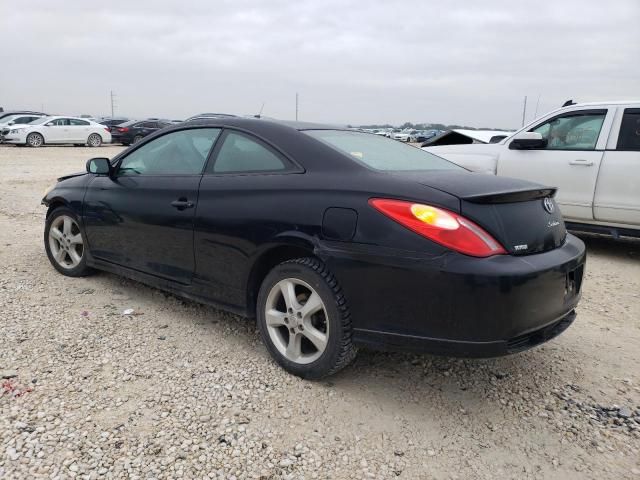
548,205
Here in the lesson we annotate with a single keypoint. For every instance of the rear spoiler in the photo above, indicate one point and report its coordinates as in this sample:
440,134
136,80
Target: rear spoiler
511,196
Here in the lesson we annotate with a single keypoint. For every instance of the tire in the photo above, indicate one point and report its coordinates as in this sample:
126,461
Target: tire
94,140
136,139
329,326
59,246
35,140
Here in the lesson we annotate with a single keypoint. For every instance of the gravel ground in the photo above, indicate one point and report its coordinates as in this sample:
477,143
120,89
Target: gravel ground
184,390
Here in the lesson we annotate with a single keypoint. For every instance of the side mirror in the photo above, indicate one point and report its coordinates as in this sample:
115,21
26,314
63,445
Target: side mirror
99,166
12,123
527,141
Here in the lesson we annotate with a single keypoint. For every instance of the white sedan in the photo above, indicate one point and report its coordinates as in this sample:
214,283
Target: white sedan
57,130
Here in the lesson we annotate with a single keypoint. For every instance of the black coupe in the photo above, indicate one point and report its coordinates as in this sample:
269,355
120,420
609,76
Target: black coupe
332,238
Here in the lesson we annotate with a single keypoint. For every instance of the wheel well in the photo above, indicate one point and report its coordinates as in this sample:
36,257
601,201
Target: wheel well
265,264
53,205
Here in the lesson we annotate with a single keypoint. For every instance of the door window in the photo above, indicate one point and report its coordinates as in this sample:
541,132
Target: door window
178,153
239,153
59,122
78,123
629,137
575,131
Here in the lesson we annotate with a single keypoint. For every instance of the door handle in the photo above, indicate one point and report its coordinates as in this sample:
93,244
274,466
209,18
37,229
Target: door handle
182,204
581,161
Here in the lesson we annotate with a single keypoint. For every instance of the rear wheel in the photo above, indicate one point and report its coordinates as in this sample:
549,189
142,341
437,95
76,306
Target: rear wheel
304,319
35,140
94,140
65,244
137,138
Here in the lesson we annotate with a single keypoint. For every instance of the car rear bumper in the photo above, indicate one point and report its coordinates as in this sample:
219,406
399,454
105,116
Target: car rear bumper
439,346
459,305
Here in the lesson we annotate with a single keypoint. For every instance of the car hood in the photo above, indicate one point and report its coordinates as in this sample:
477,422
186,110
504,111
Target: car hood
16,127
71,175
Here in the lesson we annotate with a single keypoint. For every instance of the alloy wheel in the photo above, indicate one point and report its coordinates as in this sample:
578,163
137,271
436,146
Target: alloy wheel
65,242
296,320
34,140
94,140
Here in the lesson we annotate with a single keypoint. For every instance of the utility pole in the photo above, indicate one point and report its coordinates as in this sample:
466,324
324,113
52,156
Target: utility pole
296,106
113,102
524,109
535,115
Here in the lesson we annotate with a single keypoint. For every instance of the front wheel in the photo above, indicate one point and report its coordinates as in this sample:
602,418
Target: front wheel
35,140
94,140
304,319
65,244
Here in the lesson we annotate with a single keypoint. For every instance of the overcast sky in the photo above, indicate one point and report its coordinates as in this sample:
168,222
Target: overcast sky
351,61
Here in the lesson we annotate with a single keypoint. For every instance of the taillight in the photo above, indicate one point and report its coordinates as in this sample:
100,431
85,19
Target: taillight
123,129
107,129
442,226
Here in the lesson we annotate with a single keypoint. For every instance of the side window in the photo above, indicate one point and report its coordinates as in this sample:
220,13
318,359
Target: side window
78,123
629,137
575,131
149,125
177,153
239,153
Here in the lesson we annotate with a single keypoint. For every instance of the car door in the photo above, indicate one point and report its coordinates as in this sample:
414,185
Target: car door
570,161
236,191
141,216
617,197
78,130
56,131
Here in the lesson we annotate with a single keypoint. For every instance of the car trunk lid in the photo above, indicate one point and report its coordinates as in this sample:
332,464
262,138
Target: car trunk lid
521,215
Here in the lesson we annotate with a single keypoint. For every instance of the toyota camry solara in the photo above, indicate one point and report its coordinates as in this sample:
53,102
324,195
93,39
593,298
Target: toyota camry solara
331,238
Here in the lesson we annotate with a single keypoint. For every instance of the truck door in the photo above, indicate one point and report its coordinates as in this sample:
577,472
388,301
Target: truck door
617,197
570,161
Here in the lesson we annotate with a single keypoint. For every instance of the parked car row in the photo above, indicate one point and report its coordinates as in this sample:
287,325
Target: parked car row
35,129
407,135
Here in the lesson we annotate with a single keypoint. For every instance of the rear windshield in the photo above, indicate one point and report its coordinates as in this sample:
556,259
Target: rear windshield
382,153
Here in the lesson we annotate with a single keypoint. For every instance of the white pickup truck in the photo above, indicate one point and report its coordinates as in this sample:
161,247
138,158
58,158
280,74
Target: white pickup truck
590,151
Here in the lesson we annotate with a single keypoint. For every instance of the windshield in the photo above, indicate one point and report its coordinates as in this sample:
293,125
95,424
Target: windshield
39,121
382,153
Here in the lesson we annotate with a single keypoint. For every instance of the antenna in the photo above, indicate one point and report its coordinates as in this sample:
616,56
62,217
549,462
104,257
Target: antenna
260,112
524,109
296,106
